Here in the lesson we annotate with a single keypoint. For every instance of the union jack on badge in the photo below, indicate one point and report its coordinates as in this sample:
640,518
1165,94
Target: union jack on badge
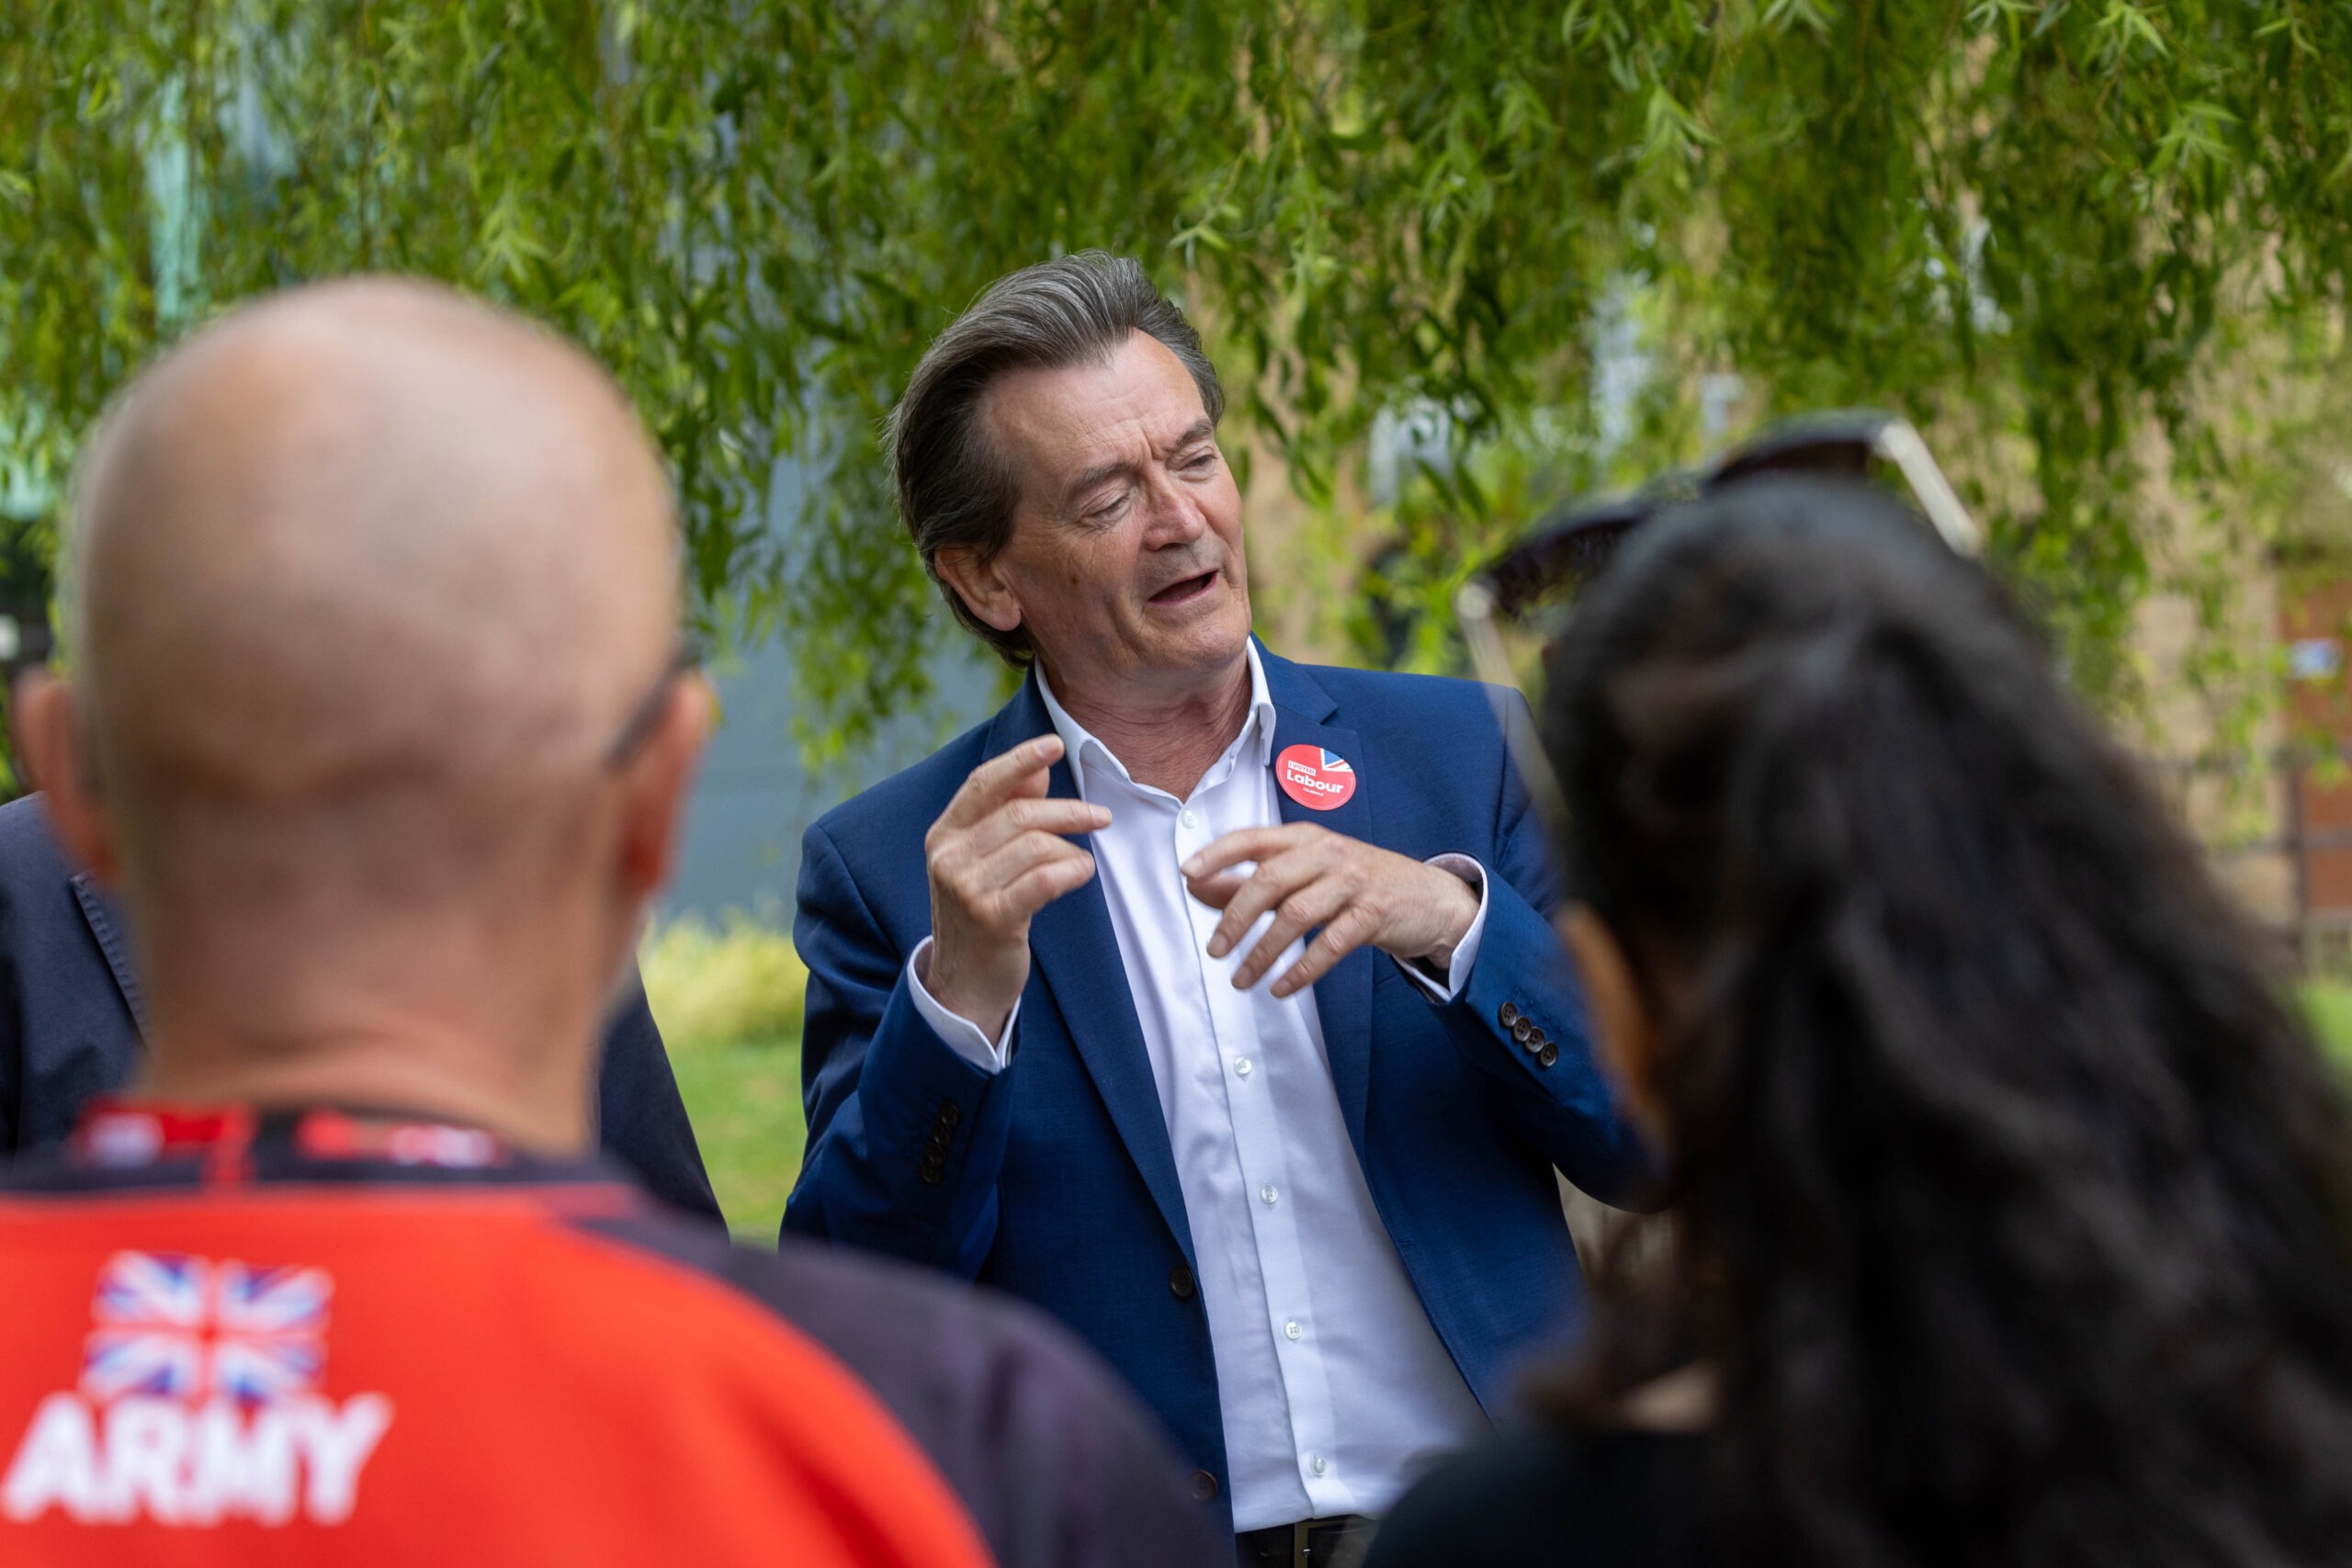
170,1325
1317,779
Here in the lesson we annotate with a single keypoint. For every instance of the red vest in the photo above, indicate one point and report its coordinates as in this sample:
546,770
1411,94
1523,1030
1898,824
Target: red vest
309,1371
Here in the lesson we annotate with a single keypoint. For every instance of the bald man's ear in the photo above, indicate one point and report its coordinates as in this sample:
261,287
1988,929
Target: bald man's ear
49,737
980,584
656,782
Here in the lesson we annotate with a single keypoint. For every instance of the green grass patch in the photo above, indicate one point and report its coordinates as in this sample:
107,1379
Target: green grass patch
745,1101
728,998
2328,1004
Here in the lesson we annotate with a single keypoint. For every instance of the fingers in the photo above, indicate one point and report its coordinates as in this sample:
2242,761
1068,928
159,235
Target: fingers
1300,912
1218,890
1345,933
1273,881
1250,843
1004,798
1305,877
1004,889
1036,888
1023,815
998,779
1017,858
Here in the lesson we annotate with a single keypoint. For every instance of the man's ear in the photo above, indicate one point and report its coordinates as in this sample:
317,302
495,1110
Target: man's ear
48,734
656,785
980,584
1630,1038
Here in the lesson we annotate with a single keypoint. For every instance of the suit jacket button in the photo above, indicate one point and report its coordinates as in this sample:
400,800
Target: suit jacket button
1536,1040
1510,1015
1549,1055
1522,1031
950,1113
1203,1486
1183,1287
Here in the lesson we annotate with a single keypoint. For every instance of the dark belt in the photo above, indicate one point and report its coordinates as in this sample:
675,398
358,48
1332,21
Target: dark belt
1340,1541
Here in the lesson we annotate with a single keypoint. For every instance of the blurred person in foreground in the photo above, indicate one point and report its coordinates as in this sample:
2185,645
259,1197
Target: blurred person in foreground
1207,999
382,733
71,1009
2013,1200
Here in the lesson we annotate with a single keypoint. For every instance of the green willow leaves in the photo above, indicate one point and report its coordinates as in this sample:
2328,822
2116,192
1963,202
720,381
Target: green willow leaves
2046,231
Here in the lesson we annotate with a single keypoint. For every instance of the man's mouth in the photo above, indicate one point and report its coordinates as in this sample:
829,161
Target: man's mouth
1185,590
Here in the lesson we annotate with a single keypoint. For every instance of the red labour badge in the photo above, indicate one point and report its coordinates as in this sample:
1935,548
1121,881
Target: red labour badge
1317,779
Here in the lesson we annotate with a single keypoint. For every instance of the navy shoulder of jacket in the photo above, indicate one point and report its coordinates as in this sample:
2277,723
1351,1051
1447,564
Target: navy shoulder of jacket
1440,717
68,1029
1453,710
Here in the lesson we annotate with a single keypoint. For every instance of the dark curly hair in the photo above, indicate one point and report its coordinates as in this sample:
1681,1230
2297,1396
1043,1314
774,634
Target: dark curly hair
2013,1200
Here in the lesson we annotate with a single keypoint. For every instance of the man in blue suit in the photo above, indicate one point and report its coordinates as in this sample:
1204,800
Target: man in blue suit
1207,1000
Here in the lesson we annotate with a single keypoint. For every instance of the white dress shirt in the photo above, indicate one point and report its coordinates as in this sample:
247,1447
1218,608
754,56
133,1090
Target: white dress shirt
1335,1390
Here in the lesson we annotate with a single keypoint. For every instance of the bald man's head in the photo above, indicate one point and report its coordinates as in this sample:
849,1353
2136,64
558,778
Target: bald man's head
366,577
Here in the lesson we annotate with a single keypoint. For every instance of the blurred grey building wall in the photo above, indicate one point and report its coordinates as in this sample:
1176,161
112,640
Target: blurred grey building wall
755,797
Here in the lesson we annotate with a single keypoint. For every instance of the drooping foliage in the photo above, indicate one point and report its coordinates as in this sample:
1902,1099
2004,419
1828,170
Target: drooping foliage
2068,237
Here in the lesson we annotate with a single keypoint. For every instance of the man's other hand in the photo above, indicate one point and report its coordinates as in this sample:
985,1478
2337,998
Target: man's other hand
997,855
1360,894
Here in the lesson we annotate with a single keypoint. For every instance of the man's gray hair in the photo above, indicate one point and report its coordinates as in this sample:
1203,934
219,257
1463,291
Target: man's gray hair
1078,309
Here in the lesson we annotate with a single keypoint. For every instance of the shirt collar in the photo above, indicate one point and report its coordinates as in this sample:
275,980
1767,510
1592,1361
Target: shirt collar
236,1142
1258,730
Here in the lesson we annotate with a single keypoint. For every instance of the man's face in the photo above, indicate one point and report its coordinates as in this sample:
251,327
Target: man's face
1125,557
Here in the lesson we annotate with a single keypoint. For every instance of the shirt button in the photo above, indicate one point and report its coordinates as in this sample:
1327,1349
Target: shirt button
1187,819
1267,1194
1316,1463
1291,1330
1241,1067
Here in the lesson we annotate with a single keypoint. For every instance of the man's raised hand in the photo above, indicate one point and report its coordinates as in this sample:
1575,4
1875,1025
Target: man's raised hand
1360,894
997,855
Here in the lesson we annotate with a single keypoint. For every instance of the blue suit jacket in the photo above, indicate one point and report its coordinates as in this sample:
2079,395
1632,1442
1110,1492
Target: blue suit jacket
70,1016
1055,1179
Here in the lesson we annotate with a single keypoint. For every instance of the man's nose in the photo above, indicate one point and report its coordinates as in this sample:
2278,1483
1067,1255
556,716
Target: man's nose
1175,518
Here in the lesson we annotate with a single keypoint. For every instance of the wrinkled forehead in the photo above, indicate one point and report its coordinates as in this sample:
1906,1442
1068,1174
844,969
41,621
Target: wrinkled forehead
1055,427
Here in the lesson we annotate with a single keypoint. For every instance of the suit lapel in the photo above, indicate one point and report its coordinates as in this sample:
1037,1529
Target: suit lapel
1343,996
1077,955
106,924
